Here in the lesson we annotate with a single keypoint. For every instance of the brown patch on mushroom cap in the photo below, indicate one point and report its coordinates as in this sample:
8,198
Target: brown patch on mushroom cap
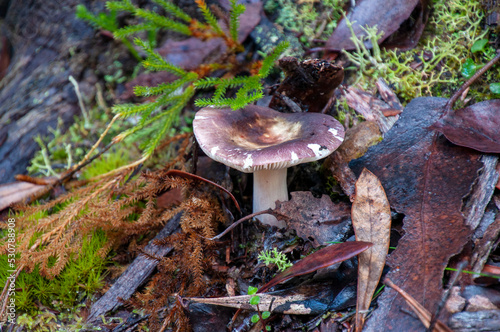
256,137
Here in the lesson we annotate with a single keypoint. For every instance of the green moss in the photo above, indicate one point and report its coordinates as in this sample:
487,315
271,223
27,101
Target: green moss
80,279
311,19
60,150
434,66
107,163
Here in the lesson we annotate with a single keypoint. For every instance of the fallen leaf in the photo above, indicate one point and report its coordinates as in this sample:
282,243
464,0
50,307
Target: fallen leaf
389,16
371,219
4,56
356,142
327,256
316,218
423,314
476,126
358,139
18,192
372,108
172,197
302,300
425,178
203,317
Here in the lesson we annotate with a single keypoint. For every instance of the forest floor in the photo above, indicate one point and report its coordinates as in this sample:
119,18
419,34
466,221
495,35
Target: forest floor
396,230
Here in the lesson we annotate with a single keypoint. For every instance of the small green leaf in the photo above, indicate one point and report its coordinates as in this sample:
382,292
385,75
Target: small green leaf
254,300
255,318
479,45
469,68
268,328
266,314
252,290
495,88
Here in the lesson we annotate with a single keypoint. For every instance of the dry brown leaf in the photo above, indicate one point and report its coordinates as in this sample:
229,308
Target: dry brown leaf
316,218
17,192
425,178
423,314
371,219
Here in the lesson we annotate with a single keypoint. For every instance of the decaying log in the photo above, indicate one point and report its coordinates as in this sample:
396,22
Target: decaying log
48,45
486,320
135,275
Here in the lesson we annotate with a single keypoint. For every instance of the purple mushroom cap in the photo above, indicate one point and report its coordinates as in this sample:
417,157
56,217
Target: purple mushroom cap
258,138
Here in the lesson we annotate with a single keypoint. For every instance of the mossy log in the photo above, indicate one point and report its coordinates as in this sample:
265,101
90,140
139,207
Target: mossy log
47,45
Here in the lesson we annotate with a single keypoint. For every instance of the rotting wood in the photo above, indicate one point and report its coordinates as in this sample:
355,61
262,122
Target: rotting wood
486,320
487,241
481,192
49,44
135,275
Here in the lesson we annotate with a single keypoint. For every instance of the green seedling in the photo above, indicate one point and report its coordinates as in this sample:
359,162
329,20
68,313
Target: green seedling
255,300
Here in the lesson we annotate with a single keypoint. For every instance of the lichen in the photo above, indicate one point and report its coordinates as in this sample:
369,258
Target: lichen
311,19
433,67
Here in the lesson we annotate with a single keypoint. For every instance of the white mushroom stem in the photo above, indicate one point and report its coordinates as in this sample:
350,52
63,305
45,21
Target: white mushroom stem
269,186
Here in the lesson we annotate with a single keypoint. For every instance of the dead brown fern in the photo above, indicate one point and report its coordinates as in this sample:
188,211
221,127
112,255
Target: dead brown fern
184,272
109,203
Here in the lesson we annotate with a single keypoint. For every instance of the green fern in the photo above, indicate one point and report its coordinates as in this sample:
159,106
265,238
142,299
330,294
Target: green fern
106,22
234,15
174,10
100,21
171,98
209,16
269,60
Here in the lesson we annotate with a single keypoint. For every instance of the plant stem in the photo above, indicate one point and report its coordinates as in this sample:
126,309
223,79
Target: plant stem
449,105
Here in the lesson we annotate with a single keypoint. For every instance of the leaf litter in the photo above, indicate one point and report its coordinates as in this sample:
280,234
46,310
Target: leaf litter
371,219
425,178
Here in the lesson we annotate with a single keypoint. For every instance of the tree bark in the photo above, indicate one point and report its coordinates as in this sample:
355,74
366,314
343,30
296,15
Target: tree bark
48,45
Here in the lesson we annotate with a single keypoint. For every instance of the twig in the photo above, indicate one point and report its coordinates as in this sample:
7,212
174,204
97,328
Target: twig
80,101
468,83
236,223
446,295
78,167
186,175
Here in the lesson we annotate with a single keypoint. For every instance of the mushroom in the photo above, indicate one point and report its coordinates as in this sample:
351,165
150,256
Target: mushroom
264,142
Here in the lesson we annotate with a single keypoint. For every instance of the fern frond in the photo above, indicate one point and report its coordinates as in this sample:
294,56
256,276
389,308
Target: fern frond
234,16
155,60
131,29
128,110
148,91
207,82
123,5
271,58
100,21
171,116
209,17
174,10
250,90
162,21
164,88
181,101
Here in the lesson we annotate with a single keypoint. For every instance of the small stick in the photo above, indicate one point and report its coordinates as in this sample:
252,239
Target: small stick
236,223
78,167
468,83
186,175
446,295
